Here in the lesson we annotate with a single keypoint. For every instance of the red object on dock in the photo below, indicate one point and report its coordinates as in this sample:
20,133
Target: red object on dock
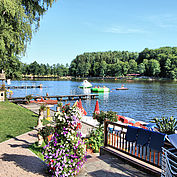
45,101
97,110
79,105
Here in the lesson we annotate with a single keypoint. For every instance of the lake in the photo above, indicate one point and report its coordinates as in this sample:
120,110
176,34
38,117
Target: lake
143,100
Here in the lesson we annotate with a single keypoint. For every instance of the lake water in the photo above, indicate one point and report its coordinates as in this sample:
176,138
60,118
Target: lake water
143,101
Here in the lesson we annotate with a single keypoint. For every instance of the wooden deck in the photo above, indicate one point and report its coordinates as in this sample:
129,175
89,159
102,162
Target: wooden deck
140,156
156,171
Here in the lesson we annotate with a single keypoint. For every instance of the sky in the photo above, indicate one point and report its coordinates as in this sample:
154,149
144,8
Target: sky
72,27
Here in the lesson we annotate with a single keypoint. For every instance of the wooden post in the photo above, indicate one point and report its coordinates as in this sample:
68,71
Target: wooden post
105,132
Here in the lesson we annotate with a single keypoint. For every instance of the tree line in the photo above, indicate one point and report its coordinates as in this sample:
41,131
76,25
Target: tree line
160,62
20,19
45,69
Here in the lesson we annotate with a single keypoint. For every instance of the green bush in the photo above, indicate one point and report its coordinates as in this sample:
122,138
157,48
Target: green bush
110,115
95,140
166,125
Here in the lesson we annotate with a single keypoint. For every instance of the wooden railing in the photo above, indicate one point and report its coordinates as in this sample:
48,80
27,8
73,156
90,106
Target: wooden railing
115,138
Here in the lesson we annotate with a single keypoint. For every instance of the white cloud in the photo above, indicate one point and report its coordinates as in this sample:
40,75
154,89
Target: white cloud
123,30
163,20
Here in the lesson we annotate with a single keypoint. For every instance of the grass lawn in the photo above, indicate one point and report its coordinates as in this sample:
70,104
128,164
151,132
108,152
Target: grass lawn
37,150
15,120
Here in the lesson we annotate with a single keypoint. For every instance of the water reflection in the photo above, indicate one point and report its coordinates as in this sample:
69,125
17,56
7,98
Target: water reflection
103,96
87,90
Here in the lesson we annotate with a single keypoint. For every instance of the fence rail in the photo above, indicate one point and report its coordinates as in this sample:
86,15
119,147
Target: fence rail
115,138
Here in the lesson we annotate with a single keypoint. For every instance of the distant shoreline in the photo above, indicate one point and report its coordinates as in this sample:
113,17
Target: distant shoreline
141,78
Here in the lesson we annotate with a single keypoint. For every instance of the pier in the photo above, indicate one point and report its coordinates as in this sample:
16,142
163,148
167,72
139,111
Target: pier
57,97
24,87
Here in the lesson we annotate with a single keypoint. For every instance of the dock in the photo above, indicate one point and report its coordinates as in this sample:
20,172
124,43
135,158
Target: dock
24,87
57,97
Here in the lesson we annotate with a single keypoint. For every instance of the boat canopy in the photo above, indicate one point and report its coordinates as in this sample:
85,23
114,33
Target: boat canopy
86,84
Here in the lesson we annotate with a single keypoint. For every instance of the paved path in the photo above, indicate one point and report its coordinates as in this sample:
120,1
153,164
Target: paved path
16,160
108,166
35,108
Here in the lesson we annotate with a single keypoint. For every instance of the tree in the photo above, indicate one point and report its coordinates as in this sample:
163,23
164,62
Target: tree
102,68
132,66
96,69
125,68
34,68
13,68
154,67
141,68
19,18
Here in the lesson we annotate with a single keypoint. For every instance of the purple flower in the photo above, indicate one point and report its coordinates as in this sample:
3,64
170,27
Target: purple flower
65,132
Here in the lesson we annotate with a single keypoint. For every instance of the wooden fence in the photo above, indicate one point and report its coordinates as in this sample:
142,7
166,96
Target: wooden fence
115,138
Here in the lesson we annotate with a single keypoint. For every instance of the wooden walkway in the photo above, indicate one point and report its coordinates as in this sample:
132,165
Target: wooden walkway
24,87
57,97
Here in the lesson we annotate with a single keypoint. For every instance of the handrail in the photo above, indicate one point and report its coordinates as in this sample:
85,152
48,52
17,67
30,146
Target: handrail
116,139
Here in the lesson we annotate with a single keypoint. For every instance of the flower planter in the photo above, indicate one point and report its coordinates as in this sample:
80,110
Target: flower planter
89,151
49,137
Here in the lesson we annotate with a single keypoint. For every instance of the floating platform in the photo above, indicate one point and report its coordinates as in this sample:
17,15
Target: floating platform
82,87
100,90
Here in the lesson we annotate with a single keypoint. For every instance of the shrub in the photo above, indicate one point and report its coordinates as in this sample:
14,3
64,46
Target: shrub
95,140
166,125
46,131
110,115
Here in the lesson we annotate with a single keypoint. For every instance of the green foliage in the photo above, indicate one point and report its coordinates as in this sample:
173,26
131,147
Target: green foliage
42,107
160,62
42,69
166,125
60,104
18,20
110,115
95,139
46,131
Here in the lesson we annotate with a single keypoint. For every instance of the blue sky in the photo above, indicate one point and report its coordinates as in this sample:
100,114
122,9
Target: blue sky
72,27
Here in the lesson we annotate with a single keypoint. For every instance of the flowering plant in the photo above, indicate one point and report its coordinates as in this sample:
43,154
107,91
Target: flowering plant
46,131
65,153
95,140
112,116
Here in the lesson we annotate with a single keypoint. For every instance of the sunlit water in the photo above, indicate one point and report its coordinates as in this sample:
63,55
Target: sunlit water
143,101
